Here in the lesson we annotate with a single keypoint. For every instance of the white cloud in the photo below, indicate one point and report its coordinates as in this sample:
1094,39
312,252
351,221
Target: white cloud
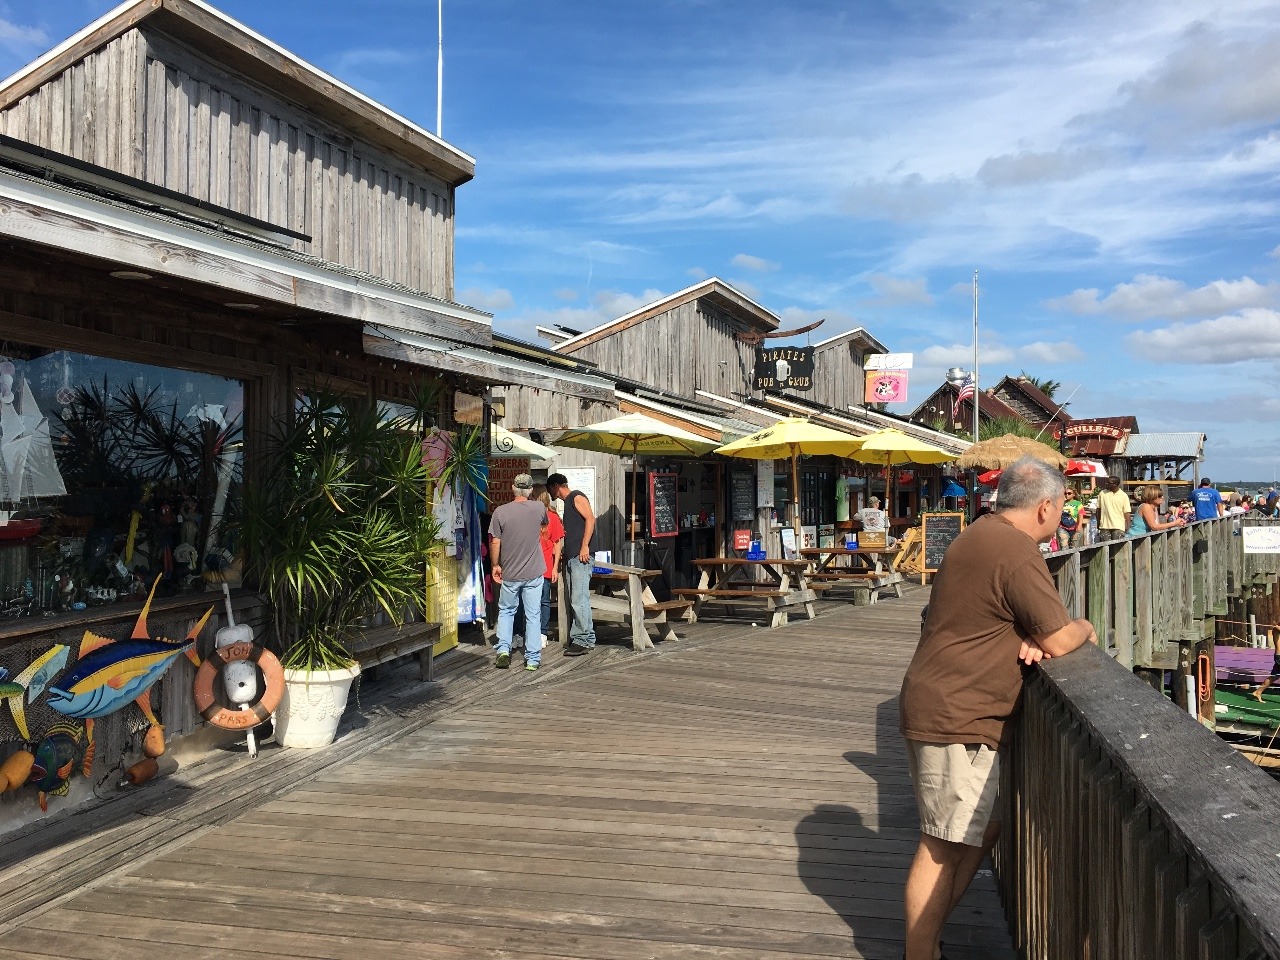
564,293
16,37
1149,297
1030,167
1044,352
698,273
1252,334
490,300
747,262
896,291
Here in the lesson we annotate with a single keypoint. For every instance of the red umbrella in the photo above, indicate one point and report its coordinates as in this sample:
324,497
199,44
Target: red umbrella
1085,468
990,478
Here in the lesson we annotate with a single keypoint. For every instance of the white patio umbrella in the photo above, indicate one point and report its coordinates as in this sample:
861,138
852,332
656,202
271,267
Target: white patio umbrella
505,445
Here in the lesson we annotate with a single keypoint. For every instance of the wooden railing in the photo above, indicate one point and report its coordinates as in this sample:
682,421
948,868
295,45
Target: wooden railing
1132,832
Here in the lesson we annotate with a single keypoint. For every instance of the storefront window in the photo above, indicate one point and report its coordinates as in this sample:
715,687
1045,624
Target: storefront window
112,473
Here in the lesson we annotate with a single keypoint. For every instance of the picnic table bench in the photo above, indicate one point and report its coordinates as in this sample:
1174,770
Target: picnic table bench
731,581
622,595
861,570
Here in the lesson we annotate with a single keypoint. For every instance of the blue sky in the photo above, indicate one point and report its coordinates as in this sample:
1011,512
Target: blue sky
1109,168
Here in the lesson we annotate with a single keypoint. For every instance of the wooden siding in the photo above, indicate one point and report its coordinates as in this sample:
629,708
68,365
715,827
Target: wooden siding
549,410
838,378
149,107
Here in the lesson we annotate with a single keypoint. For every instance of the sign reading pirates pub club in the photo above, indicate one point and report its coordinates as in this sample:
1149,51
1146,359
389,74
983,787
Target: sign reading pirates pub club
783,368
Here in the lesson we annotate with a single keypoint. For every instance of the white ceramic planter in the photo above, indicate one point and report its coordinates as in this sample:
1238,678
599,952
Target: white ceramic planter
312,705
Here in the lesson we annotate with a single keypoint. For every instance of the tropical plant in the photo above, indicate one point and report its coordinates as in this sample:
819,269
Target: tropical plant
334,528
1047,387
999,426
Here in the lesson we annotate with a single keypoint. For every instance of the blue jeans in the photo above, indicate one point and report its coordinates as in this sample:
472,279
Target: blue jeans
583,631
546,606
516,593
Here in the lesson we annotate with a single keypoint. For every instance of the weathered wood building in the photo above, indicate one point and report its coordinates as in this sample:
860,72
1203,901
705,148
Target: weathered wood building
196,225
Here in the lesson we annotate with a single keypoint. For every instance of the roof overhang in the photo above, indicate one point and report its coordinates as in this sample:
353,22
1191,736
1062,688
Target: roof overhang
235,46
487,366
35,212
856,335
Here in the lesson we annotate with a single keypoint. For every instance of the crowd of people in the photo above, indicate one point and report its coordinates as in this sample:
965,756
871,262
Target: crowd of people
1109,512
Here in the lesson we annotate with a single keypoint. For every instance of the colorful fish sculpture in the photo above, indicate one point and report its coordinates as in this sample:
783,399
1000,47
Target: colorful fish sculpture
110,673
30,683
55,761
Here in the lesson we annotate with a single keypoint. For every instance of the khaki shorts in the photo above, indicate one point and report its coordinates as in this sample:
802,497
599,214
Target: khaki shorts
957,789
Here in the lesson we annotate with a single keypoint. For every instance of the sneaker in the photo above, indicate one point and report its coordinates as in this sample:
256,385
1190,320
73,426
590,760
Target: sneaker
544,639
503,661
574,650
531,667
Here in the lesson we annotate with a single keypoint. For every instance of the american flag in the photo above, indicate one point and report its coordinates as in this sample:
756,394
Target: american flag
966,391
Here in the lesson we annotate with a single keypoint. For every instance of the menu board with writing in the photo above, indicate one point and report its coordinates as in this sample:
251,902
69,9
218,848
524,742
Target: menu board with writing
663,519
742,496
939,530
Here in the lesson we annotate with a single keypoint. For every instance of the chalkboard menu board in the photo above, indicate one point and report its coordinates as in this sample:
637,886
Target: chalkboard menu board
939,530
663,519
742,496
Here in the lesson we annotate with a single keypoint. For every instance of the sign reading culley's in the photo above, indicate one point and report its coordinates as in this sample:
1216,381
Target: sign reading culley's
783,368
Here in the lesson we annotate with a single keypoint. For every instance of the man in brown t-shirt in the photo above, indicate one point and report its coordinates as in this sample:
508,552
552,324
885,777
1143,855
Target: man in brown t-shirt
993,612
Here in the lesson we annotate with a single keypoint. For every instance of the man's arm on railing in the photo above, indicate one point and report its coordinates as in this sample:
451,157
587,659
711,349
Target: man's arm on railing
1062,641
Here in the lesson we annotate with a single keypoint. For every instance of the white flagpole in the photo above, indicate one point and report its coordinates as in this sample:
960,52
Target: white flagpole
976,389
439,67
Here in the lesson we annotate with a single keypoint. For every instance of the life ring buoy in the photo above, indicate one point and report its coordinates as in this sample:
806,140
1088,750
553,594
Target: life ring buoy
226,717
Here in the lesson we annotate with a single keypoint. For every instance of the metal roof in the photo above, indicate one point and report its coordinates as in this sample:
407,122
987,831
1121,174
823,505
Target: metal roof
1153,446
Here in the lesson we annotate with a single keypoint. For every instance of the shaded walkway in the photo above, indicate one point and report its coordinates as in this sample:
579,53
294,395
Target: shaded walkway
742,797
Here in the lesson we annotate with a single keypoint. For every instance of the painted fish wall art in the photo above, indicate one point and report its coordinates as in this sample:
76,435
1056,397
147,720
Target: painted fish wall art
110,673
27,686
55,761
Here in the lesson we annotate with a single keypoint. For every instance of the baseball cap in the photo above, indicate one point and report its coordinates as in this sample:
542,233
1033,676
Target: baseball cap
523,481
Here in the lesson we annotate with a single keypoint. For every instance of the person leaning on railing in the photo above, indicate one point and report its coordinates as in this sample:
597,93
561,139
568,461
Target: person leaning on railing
994,612
1146,519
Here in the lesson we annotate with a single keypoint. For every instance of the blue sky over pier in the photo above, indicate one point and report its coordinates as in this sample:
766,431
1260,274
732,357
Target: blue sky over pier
1110,168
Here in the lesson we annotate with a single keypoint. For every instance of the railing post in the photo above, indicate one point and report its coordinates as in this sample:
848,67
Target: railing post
1122,601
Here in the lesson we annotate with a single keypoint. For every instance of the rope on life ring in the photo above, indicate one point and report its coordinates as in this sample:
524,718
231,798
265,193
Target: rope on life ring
1202,677
235,719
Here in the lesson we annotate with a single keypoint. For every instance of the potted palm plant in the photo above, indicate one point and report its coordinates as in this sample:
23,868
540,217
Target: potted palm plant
335,534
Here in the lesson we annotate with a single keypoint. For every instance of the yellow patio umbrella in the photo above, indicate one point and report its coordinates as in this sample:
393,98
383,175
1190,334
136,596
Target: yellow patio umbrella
634,433
890,448
791,437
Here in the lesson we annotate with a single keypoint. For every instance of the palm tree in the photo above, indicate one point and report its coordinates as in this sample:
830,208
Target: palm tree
1047,387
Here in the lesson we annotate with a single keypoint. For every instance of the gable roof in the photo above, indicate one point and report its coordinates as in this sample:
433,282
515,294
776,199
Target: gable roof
1172,446
713,289
234,45
990,406
858,333
1052,410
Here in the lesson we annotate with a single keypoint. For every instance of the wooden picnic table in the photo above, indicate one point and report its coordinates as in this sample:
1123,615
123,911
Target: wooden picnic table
622,595
737,580
864,571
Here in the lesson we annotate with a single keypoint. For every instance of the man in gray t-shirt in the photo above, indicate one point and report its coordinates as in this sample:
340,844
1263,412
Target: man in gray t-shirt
515,532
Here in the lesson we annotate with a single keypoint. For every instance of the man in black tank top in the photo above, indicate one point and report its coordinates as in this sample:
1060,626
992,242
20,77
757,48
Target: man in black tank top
579,550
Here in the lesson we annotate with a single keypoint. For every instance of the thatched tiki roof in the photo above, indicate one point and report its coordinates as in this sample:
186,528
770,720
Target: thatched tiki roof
1001,452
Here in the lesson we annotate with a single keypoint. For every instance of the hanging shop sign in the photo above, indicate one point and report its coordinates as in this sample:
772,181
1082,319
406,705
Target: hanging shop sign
886,386
1095,430
783,368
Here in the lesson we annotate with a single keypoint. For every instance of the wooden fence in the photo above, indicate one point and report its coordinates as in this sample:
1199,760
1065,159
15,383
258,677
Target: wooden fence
1132,831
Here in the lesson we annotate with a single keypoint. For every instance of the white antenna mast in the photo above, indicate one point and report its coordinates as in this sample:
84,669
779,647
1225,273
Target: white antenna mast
439,67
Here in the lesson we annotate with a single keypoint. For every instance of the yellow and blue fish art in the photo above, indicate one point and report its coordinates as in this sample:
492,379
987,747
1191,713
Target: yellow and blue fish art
110,673
30,683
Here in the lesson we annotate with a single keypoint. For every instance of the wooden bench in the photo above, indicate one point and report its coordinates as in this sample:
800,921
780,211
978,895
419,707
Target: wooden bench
672,608
378,645
865,585
717,594
776,602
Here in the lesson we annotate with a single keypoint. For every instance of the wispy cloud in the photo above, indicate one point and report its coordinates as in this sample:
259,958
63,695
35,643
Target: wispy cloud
1251,334
748,262
489,300
21,39
1150,297
897,291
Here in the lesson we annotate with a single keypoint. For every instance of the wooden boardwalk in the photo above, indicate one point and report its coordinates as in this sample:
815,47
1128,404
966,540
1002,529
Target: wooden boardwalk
739,794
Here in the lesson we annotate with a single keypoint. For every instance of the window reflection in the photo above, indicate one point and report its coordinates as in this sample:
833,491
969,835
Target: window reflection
112,473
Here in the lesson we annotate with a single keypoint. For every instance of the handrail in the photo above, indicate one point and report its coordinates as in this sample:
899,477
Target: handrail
1133,832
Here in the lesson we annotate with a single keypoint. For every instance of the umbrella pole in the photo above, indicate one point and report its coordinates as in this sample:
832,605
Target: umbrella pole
795,492
635,467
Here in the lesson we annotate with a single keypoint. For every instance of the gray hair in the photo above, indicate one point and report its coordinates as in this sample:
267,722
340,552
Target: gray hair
1028,482
874,502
